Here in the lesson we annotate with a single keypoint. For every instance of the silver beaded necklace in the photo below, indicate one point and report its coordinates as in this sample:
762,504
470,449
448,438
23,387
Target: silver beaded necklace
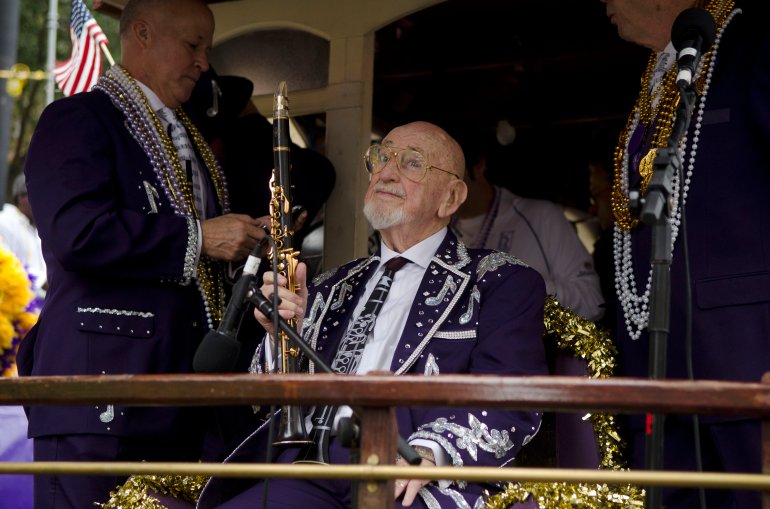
636,306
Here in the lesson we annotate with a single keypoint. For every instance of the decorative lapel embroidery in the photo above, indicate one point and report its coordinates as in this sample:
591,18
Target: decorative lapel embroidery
431,367
444,307
108,415
475,296
344,289
494,261
350,284
152,195
449,284
309,323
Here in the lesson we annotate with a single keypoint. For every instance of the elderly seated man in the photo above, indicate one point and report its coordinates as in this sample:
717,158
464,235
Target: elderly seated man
423,304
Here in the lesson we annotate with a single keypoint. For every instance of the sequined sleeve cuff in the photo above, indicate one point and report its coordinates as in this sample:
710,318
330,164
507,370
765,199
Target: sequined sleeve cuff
193,251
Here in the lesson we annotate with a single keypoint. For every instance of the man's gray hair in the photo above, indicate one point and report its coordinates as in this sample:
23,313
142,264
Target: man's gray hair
135,9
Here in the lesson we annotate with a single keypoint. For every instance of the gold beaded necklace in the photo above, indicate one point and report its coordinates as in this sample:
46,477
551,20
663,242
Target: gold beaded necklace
661,117
127,96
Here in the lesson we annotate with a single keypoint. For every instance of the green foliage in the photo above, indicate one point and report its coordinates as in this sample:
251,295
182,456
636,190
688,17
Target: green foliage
32,50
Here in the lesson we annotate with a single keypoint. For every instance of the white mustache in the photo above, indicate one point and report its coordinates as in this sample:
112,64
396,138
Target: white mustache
390,189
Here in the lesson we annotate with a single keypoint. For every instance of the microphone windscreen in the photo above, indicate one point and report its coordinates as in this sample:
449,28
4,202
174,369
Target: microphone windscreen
692,23
217,353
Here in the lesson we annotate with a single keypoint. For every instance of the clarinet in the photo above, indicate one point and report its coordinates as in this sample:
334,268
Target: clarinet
292,427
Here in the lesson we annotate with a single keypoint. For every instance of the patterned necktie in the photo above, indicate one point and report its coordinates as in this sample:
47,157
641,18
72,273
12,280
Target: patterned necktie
348,358
187,157
352,345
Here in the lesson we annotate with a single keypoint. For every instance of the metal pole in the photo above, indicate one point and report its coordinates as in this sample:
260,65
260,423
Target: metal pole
737,481
9,34
52,24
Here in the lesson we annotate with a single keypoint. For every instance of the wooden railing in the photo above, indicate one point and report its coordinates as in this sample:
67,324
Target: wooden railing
377,395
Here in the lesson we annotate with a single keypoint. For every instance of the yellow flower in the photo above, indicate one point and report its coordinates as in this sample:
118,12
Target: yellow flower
15,295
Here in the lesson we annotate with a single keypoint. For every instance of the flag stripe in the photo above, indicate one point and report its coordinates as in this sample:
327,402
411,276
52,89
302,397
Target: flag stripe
82,70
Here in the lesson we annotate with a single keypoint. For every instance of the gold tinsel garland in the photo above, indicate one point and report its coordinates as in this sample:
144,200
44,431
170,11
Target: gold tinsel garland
586,341
573,334
569,496
138,492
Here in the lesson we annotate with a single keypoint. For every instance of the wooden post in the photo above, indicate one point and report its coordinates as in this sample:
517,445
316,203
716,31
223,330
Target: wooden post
378,447
766,449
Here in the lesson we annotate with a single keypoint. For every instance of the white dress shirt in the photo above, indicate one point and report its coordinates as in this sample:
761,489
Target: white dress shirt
156,104
382,343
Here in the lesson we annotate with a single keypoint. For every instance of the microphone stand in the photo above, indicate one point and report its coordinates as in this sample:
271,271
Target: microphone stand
266,307
655,212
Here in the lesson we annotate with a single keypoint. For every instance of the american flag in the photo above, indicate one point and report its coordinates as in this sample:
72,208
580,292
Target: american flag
80,72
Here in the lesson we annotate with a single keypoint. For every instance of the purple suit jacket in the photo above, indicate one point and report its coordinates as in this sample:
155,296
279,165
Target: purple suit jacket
476,312
728,224
119,261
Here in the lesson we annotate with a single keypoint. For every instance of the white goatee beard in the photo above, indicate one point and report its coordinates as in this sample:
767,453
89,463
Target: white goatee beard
382,218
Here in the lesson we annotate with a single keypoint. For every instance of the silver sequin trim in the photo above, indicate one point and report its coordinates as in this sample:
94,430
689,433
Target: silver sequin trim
465,334
475,296
108,415
320,278
429,499
344,289
528,438
255,368
449,284
440,320
476,436
192,250
362,264
450,449
456,497
462,255
431,367
311,334
116,312
494,261
152,195
318,304
457,460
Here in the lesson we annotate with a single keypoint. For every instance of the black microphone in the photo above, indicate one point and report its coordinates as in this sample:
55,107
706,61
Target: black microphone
693,34
218,352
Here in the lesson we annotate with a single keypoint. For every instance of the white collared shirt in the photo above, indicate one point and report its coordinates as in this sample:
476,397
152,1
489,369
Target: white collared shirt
156,104
390,323
665,59
379,350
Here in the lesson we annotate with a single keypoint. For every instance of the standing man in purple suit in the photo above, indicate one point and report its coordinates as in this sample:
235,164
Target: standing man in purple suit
720,225
133,214
446,309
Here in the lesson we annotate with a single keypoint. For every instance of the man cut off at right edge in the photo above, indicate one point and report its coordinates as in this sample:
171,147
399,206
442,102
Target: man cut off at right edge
720,229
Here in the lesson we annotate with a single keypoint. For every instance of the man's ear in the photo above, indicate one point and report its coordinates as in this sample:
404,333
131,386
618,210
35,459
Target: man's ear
142,32
455,196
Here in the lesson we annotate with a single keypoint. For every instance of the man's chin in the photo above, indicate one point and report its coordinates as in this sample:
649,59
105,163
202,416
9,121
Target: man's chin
381,220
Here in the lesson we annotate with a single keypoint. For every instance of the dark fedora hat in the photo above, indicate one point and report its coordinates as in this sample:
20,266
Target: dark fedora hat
216,101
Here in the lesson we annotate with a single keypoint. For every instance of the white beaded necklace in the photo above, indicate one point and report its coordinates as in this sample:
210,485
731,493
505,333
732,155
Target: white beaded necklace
635,306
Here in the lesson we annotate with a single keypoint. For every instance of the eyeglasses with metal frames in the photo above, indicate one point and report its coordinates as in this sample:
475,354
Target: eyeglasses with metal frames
411,163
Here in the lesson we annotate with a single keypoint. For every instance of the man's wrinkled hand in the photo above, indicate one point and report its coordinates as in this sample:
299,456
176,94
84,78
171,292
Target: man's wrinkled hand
410,487
292,304
230,237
